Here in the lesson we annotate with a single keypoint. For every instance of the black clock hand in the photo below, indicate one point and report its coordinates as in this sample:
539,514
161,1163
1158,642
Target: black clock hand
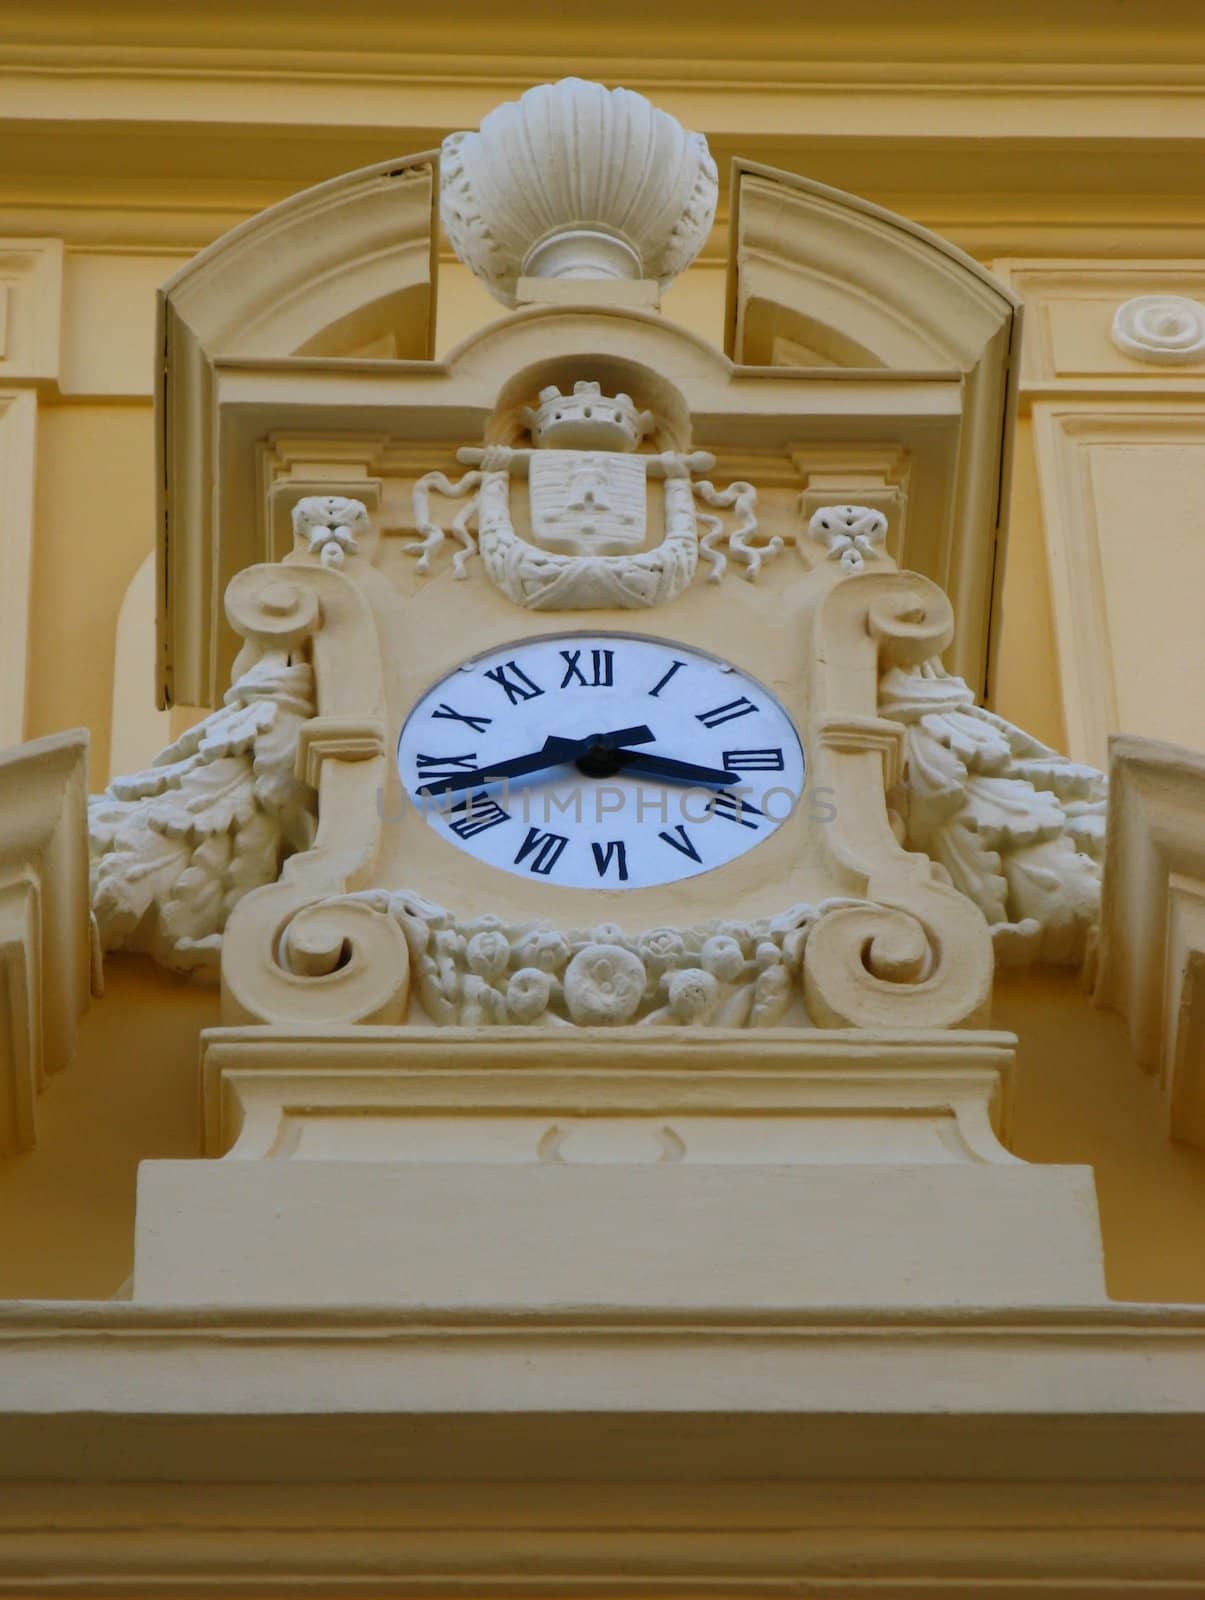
666,767
555,752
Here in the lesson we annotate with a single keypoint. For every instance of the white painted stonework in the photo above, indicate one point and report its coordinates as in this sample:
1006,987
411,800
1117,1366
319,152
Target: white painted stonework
329,524
1164,329
585,506
176,847
1019,828
852,535
577,181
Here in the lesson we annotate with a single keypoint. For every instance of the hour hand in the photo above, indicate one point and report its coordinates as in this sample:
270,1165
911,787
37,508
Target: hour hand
666,767
554,752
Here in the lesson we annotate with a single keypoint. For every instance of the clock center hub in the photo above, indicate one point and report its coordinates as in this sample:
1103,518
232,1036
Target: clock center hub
600,761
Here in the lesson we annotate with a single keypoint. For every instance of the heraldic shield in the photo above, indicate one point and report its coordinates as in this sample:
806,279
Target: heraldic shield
588,487
587,502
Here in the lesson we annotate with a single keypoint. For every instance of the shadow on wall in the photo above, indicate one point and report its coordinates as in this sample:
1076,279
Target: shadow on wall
1081,1098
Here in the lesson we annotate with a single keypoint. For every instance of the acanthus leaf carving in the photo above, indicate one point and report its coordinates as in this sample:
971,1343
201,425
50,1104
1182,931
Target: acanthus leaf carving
175,847
1018,828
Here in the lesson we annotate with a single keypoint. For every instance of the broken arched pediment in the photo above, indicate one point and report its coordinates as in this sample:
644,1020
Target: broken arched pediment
344,269
820,278
341,280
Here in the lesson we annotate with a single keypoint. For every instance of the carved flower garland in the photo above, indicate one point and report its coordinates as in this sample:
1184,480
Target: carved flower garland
730,974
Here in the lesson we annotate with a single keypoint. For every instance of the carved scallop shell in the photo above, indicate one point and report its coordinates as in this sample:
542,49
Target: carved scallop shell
576,180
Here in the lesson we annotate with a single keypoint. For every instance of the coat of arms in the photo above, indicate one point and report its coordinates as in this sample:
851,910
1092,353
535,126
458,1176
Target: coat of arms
588,487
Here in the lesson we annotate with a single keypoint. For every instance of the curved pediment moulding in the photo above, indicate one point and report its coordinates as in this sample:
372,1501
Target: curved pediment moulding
342,264
344,269
822,279
867,287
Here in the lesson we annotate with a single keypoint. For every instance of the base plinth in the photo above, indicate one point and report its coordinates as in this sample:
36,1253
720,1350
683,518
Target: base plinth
622,1170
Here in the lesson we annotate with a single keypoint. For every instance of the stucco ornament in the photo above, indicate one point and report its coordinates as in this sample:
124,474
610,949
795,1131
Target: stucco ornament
1164,329
1018,827
852,535
574,180
719,974
604,984
176,847
330,523
588,511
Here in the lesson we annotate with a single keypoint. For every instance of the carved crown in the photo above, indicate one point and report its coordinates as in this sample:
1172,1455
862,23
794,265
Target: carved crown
587,419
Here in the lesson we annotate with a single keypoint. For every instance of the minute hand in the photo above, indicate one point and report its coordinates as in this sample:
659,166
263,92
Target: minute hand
667,767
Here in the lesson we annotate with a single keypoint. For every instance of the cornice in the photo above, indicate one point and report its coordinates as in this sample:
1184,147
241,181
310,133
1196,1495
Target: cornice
380,1452
738,98
958,74
155,146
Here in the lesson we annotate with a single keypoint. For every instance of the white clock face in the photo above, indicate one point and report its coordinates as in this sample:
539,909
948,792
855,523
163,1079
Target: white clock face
601,761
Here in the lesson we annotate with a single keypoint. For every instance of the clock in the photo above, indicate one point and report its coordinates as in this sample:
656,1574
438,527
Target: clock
601,760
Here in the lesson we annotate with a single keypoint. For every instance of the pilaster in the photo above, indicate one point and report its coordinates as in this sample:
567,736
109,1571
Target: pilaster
1152,939
45,952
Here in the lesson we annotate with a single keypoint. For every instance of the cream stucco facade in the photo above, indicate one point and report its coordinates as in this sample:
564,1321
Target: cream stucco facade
858,1243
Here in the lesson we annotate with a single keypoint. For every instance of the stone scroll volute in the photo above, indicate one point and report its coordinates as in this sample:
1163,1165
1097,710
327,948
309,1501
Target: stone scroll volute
300,951
916,953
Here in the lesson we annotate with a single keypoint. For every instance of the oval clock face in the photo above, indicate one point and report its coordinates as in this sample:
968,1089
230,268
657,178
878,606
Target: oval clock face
601,761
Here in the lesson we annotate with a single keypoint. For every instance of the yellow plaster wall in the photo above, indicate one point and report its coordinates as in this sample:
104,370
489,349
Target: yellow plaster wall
1027,668
1080,1098
67,1206
94,522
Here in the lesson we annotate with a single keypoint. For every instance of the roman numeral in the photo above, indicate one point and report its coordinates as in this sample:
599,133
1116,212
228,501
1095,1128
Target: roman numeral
602,669
514,681
731,808
544,849
726,713
614,850
682,843
479,813
431,769
661,683
753,760
445,711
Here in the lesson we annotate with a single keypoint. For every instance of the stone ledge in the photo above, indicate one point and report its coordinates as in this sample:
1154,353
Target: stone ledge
1053,1452
1124,1367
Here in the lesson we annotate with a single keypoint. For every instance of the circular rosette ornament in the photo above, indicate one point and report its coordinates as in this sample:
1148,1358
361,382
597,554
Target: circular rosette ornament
604,984
1167,329
574,180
